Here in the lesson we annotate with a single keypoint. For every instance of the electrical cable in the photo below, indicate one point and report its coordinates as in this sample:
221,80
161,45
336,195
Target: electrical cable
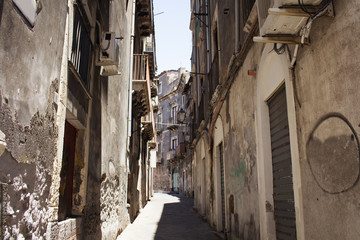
279,50
316,13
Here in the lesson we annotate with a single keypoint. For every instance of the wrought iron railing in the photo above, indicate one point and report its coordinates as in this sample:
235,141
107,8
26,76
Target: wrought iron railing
81,48
180,149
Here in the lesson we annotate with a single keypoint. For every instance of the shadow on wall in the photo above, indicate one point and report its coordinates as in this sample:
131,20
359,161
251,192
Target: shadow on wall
92,221
333,154
179,220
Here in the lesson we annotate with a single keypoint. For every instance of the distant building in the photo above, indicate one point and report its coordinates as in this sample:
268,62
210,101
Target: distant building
172,173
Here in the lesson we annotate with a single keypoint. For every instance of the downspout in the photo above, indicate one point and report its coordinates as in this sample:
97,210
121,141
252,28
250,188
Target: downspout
236,26
131,76
304,35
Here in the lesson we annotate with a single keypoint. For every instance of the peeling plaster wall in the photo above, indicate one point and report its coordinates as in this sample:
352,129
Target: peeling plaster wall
30,57
327,127
26,167
327,77
30,68
239,154
238,114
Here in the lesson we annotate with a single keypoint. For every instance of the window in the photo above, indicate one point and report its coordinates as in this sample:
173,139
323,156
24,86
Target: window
27,9
81,47
173,114
159,121
159,147
160,88
183,100
174,143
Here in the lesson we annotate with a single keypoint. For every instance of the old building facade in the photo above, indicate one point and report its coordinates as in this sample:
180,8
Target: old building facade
68,144
174,169
276,153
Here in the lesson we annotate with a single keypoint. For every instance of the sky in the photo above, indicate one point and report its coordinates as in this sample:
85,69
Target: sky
172,34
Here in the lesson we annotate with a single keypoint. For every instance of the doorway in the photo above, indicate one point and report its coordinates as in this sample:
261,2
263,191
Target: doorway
67,172
283,191
175,180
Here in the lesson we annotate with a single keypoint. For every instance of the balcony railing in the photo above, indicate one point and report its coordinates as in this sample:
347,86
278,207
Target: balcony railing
140,67
141,83
171,155
181,150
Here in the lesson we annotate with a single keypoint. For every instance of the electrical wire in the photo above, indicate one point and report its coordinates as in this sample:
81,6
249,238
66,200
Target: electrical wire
315,13
279,50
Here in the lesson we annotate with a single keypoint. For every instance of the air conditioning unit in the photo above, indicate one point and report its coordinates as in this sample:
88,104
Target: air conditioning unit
283,17
108,53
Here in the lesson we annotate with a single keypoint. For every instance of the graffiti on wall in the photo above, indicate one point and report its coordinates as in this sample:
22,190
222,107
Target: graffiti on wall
238,178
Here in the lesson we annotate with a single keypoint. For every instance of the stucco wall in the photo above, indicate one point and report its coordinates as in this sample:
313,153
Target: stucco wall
327,76
30,57
238,114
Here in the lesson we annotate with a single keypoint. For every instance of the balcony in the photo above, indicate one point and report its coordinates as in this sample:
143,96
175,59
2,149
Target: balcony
181,150
144,17
171,156
141,80
172,124
142,104
149,49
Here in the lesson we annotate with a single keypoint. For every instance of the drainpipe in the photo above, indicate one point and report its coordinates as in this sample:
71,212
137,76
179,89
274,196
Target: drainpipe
131,75
236,26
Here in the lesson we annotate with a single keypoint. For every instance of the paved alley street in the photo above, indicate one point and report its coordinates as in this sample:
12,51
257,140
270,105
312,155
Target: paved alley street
168,217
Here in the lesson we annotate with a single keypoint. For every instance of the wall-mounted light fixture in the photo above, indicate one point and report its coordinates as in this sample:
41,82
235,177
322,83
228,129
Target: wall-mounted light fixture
181,115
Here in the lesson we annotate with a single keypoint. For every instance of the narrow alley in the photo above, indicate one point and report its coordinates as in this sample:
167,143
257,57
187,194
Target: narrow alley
179,120
168,216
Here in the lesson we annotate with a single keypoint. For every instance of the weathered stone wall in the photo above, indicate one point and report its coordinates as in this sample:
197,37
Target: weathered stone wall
326,124
26,169
241,179
239,139
106,214
30,71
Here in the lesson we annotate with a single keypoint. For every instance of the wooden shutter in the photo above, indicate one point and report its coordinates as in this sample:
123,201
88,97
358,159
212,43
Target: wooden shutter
283,192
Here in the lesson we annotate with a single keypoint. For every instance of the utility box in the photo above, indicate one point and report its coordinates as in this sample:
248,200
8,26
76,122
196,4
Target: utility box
108,50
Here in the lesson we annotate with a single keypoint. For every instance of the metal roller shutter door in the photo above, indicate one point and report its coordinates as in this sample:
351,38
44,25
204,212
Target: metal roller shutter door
283,192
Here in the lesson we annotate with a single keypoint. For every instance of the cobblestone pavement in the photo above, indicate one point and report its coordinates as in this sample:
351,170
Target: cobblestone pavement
168,217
